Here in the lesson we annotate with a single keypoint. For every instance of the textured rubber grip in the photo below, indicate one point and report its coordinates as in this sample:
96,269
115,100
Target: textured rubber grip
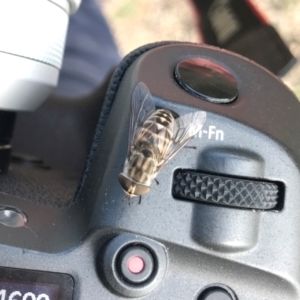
225,191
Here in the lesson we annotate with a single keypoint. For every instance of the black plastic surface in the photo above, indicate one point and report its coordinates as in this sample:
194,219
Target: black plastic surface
7,124
254,253
27,160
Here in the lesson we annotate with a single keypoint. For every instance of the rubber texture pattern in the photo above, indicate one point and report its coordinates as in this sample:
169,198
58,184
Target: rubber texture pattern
221,190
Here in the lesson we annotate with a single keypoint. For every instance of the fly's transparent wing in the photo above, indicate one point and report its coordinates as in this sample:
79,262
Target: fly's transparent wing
185,128
142,106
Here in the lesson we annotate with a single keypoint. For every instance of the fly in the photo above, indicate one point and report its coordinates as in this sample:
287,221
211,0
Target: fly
155,136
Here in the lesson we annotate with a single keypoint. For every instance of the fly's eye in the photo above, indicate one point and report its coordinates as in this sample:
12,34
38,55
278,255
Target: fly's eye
141,189
125,182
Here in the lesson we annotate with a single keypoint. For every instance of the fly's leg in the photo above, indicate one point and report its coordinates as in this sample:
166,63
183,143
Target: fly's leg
127,197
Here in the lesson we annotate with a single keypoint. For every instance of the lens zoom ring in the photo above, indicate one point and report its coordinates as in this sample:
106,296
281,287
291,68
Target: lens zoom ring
33,29
226,191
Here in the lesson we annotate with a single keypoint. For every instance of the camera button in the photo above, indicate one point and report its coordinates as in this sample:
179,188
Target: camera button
207,80
132,265
216,295
12,217
136,264
217,292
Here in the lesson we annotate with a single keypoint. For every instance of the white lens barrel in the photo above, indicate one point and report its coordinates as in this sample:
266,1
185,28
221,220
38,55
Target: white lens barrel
32,41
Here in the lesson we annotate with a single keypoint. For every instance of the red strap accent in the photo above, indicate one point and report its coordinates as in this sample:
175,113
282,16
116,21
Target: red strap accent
262,17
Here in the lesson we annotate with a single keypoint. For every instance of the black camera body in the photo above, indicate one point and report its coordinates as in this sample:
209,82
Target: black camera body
221,224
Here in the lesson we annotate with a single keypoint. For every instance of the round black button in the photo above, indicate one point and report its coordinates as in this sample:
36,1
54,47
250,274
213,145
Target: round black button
136,264
132,265
216,295
217,292
12,217
207,80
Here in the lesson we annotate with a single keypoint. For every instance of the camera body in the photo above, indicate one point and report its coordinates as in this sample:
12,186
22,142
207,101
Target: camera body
179,243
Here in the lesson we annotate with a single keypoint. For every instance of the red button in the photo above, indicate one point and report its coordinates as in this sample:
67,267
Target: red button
136,264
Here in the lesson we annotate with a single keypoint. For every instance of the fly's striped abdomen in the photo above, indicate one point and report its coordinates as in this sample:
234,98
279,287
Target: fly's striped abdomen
141,168
158,130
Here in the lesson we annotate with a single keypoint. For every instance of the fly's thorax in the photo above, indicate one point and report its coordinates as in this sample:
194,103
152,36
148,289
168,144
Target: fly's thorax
160,120
142,163
164,116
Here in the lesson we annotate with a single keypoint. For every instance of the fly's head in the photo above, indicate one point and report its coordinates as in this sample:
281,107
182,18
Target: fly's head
131,187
